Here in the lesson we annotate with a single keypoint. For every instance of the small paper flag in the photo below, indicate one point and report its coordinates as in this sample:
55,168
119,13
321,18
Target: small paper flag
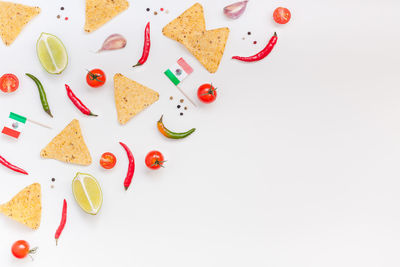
179,71
14,125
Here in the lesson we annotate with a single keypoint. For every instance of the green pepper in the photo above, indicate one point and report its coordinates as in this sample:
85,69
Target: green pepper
42,94
172,135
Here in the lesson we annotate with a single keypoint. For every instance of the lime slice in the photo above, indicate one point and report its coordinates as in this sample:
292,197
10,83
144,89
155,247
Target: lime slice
52,53
87,193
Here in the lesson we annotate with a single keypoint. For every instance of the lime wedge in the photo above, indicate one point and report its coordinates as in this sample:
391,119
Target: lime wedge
87,193
52,53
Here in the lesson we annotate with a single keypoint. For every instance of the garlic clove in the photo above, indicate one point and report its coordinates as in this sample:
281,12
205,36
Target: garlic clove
235,10
113,42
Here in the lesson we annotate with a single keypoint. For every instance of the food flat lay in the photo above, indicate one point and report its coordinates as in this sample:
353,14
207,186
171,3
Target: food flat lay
176,133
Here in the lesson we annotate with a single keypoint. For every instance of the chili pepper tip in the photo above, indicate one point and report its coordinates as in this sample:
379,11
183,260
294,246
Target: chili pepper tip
138,64
49,112
160,120
275,34
94,115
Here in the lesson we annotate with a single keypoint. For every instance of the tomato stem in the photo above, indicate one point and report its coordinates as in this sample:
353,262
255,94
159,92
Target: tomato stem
210,91
94,77
32,251
158,163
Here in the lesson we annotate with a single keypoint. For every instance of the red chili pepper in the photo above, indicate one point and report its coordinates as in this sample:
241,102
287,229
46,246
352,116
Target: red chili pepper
263,53
146,46
77,102
63,221
7,164
131,168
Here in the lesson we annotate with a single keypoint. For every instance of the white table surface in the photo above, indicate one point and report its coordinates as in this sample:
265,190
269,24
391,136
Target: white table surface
295,164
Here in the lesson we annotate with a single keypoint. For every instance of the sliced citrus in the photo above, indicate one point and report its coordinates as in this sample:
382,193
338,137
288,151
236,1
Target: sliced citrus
87,193
52,53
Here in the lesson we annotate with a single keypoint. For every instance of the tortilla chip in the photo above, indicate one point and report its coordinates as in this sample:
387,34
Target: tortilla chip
68,146
189,29
98,12
131,97
13,18
25,207
189,22
209,47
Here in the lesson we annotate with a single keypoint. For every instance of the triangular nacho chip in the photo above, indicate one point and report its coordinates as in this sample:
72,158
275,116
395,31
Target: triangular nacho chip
98,12
131,97
68,146
25,207
188,23
13,18
189,29
209,47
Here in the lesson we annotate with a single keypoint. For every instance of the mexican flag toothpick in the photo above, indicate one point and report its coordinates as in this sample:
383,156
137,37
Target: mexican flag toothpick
16,123
178,72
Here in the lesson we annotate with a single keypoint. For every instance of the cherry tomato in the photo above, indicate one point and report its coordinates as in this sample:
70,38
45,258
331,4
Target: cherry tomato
9,83
282,15
108,160
154,160
207,93
20,249
95,78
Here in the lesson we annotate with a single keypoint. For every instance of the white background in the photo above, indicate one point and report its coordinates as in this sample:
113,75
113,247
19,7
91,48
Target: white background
295,164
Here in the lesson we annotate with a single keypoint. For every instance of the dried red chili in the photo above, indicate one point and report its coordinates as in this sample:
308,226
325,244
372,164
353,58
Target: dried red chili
77,102
263,53
7,164
131,168
63,221
146,46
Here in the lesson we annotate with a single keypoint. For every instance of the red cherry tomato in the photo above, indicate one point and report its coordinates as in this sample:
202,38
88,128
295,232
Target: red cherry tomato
96,78
207,93
282,15
9,83
108,160
154,160
20,249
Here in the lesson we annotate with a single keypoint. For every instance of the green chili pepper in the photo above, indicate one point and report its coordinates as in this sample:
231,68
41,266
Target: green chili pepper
172,135
42,94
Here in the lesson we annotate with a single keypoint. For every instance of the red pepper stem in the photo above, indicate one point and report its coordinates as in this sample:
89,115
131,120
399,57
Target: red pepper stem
138,64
